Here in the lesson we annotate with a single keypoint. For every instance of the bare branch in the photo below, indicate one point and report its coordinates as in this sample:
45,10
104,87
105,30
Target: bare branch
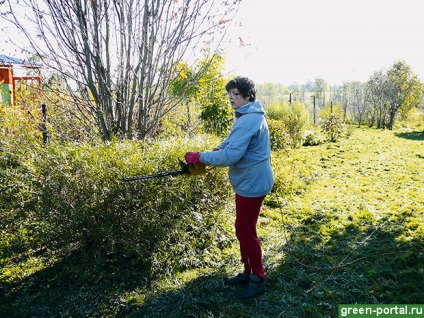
123,54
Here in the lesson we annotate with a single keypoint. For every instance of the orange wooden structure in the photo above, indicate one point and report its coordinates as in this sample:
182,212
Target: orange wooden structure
9,82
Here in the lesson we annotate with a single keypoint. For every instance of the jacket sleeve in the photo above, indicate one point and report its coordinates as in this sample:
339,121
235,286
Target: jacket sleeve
231,150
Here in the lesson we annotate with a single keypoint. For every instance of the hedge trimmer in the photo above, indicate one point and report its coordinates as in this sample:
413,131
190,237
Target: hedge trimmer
192,169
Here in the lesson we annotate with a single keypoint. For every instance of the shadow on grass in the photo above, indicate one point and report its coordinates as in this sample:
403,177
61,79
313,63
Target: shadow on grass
82,285
358,262
415,135
78,285
353,262
322,267
208,296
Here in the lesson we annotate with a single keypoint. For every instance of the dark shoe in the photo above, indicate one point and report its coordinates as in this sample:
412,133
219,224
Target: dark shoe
254,288
240,279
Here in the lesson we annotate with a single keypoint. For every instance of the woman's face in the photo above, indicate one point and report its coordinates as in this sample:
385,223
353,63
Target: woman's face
236,99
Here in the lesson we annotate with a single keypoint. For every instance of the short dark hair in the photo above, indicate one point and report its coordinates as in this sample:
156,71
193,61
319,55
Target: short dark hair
245,86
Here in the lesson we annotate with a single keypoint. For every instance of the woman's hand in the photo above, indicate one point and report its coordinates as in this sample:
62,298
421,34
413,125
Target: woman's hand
192,157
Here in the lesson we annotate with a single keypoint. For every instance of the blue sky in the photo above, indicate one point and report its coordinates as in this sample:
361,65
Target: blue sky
337,40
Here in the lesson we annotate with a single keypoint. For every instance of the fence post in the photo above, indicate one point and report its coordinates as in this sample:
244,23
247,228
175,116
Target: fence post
43,124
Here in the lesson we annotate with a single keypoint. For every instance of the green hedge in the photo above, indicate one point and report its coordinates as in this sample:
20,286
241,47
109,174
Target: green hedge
74,195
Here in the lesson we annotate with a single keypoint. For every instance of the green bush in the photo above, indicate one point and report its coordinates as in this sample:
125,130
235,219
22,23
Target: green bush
19,137
217,117
19,199
413,119
75,192
333,128
312,138
279,135
295,118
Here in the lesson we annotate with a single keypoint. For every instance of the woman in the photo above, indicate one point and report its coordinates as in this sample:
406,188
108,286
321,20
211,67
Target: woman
246,152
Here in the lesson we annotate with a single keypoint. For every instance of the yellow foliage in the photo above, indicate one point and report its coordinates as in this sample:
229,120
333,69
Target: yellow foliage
183,75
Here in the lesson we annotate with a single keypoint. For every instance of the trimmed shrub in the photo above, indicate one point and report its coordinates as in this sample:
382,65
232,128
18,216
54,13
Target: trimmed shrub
165,224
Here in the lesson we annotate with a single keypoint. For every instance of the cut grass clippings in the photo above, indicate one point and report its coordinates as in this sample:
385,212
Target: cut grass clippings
350,230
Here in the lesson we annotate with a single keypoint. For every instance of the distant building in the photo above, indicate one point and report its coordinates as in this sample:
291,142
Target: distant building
9,80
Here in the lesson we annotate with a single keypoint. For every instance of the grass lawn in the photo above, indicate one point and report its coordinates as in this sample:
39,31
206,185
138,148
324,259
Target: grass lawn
351,231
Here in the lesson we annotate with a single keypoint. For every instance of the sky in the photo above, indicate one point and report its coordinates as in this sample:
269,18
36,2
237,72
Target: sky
293,41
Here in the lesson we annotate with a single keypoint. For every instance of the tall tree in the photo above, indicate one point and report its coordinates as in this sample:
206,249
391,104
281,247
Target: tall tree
122,55
358,102
404,91
320,88
376,96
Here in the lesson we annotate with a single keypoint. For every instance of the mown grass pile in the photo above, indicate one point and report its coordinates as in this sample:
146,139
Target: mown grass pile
344,224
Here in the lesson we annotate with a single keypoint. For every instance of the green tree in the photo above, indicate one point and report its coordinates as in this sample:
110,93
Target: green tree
203,86
376,96
269,93
320,87
215,111
184,87
404,90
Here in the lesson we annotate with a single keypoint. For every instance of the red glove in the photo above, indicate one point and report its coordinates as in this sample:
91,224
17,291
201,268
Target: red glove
192,157
216,149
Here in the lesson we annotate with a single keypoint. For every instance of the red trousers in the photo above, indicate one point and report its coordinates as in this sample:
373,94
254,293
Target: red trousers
247,213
